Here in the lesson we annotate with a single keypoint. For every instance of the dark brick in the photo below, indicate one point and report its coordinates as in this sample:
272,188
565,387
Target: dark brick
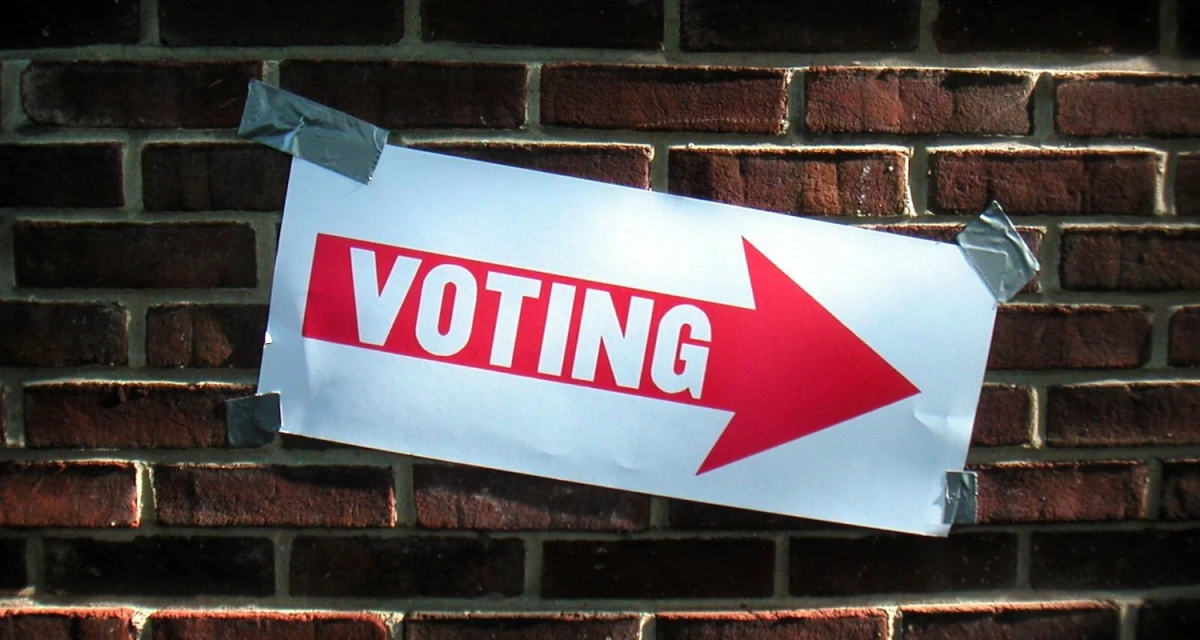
1062,492
627,165
89,255
918,101
1181,490
886,564
1187,185
1065,26
127,415
1115,559
1130,259
663,98
804,27
521,627
1174,619
1116,105
210,335
455,497
1011,622
61,175
279,22
827,182
67,624
160,566
12,564
66,23
658,568
407,567
213,176
1003,417
1041,337
68,494
415,95
265,625
57,334
1184,340
1044,182
137,95
844,624
692,516
1107,415
636,24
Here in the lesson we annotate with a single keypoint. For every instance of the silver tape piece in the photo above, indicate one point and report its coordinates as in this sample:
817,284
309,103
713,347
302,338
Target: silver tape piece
962,493
312,131
253,421
999,255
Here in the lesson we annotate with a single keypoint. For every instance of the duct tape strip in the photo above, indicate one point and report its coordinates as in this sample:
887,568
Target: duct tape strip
993,246
962,491
252,421
312,131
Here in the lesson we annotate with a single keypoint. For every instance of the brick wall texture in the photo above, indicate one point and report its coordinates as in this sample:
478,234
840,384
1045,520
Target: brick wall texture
137,235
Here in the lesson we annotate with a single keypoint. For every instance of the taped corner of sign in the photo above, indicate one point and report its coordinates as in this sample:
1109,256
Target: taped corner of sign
962,492
994,248
253,421
312,131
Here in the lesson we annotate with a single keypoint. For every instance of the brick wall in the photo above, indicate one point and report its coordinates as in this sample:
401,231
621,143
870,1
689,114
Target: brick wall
136,242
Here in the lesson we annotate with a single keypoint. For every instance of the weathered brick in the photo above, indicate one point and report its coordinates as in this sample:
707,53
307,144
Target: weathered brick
692,516
57,334
918,101
65,23
626,165
811,27
1062,492
1187,185
68,494
12,564
66,624
663,98
407,567
89,255
1127,105
1181,490
213,176
949,232
826,182
1044,182
127,415
137,95
1065,26
521,627
1169,619
1003,417
209,335
844,624
1184,337
1106,415
456,497
414,95
264,625
887,563
658,568
1115,559
637,24
61,175
1070,337
1049,621
160,566
1130,259
279,22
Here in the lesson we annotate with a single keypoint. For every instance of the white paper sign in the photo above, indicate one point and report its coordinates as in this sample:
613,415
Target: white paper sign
517,320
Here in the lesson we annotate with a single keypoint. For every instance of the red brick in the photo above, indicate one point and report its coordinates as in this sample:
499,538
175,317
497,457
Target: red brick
693,516
813,27
213,176
455,497
137,95
1187,185
521,627
160,566
57,334
209,335
1127,105
1065,26
61,175
1108,415
663,98
1130,259
825,182
199,255
68,494
280,22
1181,490
949,232
1044,182
407,567
627,165
1115,559
844,624
1062,492
545,23
1169,619
1003,417
1070,337
1184,341
12,564
415,95
127,415
66,624
65,23
918,101
690,568
1049,621
265,625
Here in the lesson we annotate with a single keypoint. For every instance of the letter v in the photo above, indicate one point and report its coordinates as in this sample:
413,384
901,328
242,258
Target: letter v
375,306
